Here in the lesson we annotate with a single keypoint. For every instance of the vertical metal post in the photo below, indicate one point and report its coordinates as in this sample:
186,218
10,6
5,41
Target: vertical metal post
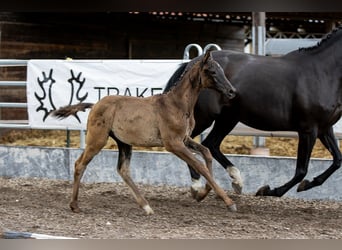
82,138
258,48
258,33
68,138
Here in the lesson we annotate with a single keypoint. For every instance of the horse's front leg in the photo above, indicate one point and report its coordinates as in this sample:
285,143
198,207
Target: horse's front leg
179,149
329,141
213,141
305,145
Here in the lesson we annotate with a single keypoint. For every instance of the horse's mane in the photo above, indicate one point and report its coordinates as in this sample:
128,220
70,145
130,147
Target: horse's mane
324,40
178,75
174,79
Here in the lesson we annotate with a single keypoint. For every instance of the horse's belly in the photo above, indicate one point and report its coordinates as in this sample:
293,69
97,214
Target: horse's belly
138,132
268,122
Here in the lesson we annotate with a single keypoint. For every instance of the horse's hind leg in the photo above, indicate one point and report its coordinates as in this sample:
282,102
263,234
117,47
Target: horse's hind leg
179,149
95,142
125,153
305,145
329,141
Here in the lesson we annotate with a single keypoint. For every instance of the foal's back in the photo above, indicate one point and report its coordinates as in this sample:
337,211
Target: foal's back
132,120
140,121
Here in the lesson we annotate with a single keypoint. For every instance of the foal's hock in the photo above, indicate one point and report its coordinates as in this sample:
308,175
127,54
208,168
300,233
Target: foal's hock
162,120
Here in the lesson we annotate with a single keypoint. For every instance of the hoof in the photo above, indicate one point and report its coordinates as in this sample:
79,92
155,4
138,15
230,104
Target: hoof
264,191
75,208
237,188
194,193
148,210
237,183
303,186
232,208
197,195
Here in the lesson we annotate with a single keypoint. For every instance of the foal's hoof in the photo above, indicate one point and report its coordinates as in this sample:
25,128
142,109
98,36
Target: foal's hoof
303,186
264,191
232,208
148,210
74,208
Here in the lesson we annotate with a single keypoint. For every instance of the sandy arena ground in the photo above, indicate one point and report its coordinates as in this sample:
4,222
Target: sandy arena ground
110,212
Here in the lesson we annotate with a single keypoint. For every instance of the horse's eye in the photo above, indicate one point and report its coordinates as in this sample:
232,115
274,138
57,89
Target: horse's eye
209,71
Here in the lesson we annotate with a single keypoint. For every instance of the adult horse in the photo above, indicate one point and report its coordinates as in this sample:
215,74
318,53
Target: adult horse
162,120
300,91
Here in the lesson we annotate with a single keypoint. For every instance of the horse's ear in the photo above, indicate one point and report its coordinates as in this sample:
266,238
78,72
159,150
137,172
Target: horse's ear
206,58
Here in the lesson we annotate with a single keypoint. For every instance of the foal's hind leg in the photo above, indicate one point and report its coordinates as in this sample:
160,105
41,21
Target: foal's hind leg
329,141
95,142
221,129
125,153
179,149
197,191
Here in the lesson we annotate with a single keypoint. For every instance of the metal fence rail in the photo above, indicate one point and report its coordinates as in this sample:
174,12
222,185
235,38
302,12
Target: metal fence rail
16,124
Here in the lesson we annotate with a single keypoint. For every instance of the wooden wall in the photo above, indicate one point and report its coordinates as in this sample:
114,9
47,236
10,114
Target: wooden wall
91,35
99,36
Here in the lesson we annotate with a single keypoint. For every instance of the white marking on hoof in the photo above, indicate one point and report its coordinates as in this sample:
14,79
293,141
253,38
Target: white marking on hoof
196,185
237,182
148,210
232,208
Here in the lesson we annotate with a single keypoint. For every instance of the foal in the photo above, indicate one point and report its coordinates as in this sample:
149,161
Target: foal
162,120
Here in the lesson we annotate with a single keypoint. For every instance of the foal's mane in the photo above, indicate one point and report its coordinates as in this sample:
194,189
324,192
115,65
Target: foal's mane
179,74
324,40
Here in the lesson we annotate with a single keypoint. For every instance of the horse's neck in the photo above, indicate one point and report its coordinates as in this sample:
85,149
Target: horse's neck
185,93
329,52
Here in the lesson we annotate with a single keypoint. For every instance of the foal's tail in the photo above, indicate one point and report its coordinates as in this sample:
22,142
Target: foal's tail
66,111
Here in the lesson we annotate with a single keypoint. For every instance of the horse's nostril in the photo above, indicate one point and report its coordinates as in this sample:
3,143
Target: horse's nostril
231,93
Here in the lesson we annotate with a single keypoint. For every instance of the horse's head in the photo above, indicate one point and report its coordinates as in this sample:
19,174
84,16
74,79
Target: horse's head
212,76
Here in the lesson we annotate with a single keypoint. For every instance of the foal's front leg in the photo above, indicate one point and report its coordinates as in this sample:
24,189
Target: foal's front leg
179,149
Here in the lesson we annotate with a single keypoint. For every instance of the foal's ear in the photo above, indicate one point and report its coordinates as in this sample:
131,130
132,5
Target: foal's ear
206,58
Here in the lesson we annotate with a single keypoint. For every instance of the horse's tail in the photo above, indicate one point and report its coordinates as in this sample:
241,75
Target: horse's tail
175,77
66,111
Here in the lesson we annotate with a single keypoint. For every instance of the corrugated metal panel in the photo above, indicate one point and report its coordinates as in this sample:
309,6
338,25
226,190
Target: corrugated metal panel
277,47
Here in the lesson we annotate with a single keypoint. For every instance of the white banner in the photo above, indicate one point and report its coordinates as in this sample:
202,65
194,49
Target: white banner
52,84
55,83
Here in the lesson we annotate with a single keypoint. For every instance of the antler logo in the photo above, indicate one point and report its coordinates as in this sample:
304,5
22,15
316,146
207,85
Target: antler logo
47,85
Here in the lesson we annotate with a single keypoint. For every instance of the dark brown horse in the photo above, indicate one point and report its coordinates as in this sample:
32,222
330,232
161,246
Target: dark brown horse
162,120
300,91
